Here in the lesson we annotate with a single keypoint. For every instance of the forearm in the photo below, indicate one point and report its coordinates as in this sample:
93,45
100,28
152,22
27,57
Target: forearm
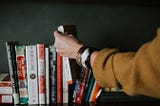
135,73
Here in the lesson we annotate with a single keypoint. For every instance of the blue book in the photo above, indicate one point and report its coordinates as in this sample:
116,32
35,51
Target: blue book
90,86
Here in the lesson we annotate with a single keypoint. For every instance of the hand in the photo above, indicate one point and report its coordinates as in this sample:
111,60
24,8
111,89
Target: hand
66,45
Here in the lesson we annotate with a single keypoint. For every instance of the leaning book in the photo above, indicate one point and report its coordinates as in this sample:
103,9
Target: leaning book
11,57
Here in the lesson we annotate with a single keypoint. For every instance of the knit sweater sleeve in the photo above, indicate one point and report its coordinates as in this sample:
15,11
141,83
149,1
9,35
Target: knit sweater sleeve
134,72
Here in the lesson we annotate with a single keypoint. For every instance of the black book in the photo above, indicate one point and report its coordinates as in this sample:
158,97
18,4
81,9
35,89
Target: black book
11,56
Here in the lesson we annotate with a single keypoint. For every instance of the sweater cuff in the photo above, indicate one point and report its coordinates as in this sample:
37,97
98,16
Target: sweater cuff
103,68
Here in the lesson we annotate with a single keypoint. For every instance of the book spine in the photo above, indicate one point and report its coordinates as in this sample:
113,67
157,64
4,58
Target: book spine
47,74
75,90
6,99
41,72
11,56
65,80
67,68
5,80
53,74
90,86
94,92
6,90
86,85
59,78
5,84
21,71
81,86
31,60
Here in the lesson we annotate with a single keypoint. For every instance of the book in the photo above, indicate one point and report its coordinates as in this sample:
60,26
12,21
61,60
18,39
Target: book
94,92
5,80
59,79
89,90
32,73
6,99
11,57
86,84
41,72
81,85
47,75
5,90
52,67
22,74
65,80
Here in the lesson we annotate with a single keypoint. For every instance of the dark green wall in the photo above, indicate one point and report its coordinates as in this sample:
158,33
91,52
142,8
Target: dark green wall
125,27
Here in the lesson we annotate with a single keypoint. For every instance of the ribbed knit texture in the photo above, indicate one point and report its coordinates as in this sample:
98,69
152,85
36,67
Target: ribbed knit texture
136,72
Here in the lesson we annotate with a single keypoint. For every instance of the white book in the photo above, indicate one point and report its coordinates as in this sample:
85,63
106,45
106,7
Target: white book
41,72
6,99
5,90
47,74
65,80
31,60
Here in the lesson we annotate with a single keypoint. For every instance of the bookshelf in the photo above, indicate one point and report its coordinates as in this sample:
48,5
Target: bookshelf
31,22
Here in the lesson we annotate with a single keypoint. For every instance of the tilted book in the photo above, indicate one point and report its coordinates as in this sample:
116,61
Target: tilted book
81,85
11,56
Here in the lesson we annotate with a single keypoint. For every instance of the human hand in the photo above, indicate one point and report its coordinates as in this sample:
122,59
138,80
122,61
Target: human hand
67,45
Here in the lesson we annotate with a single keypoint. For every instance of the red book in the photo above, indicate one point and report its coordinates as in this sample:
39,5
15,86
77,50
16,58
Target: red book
59,78
41,72
81,85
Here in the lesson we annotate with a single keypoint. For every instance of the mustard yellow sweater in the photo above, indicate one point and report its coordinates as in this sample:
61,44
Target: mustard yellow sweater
133,72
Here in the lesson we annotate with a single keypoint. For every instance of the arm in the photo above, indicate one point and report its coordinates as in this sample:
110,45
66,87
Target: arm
135,73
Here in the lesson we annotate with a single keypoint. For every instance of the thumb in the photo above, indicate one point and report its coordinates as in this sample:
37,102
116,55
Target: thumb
56,34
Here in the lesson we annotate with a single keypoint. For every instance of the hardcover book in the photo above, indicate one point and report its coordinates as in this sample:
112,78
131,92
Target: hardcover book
22,74
32,73
53,74
47,74
41,72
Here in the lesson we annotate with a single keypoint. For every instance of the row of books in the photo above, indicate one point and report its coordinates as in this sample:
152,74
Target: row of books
41,72
40,75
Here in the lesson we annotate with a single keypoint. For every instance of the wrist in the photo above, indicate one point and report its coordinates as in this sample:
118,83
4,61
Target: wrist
84,56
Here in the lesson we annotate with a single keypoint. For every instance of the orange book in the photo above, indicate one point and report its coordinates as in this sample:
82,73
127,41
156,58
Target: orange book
95,92
59,78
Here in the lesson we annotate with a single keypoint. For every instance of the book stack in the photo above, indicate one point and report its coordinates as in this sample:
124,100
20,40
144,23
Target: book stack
5,89
40,75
